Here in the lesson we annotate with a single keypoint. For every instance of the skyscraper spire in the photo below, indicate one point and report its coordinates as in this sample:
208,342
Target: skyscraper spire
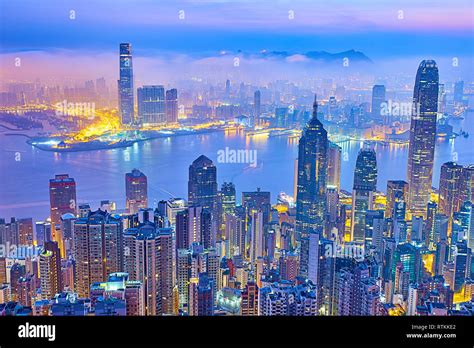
422,137
315,106
311,189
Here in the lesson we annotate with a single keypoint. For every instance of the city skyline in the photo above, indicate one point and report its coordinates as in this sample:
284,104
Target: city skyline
313,169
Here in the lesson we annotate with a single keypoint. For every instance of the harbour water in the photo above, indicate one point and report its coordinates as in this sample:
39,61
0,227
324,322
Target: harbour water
25,170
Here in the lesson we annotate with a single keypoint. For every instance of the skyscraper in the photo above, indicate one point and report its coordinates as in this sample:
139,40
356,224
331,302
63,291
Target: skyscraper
62,197
148,258
201,297
50,270
334,166
458,92
151,105
136,191
202,184
125,85
312,175
250,299
227,89
378,97
227,200
422,137
396,193
312,179
451,196
256,107
171,105
97,249
259,201
365,184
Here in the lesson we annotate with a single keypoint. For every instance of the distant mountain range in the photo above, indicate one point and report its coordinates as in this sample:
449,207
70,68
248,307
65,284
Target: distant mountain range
322,56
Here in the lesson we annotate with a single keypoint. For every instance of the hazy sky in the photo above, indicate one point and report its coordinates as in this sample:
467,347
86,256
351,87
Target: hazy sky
383,30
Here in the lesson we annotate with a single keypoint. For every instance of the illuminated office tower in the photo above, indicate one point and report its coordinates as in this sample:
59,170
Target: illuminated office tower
312,175
468,183
66,245
3,270
97,249
151,105
228,199
25,231
148,258
136,191
208,238
8,232
202,184
201,297
431,211
289,265
43,232
235,231
413,298
181,228
26,290
326,277
378,97
450,186
183,275
125,85
332,204
365,184
62,198
17,272
374,228
309,256
422,137
462,265
440,228
410,257
416,229
462,224
334,166
440,257
256,107
256,236
259,201
249,304
396,193
199,228
171,105
50,270
173,207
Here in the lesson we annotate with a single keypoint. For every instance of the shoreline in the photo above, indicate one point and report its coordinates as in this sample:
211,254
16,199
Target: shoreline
96,145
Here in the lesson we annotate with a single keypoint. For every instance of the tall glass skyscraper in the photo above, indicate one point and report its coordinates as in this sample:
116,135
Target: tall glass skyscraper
151,105
312,173
202,184
365,184
136,191
378,97
62,197
422,137
125,85
172,105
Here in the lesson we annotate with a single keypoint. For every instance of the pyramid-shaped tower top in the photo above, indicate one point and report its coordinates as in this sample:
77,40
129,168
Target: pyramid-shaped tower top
314,118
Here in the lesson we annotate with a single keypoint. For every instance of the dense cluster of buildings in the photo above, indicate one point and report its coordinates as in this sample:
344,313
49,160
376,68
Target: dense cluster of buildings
327,252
